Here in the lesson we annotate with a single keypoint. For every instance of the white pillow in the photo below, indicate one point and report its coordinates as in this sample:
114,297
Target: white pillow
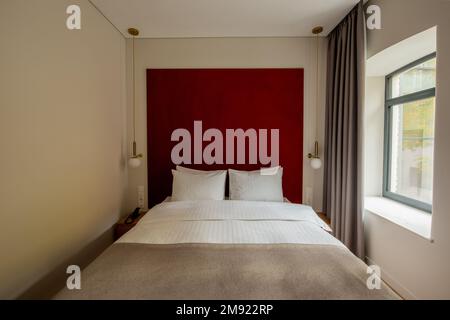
259,185
188,186
194,171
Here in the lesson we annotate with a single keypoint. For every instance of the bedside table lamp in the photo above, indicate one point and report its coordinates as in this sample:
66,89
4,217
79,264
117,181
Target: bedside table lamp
316,163
135,160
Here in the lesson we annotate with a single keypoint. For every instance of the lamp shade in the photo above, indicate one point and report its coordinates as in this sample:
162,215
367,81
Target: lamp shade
134,162
316,163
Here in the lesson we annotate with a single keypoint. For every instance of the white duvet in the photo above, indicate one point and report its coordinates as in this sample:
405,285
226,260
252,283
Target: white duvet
230,222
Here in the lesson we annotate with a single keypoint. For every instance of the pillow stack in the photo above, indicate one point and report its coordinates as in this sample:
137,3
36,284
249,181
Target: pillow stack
260,185
190,184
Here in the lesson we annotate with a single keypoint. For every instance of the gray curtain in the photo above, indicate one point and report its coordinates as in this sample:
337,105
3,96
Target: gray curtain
343,156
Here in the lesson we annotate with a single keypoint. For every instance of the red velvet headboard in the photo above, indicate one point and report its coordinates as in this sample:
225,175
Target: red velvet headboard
224,99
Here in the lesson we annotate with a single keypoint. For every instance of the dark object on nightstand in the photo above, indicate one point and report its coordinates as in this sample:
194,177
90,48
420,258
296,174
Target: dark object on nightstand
133,216
323,216
127,223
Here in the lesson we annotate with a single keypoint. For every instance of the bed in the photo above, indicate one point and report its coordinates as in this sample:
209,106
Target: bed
227,250
186,248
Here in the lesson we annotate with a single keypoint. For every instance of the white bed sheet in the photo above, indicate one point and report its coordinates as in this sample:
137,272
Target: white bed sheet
230,222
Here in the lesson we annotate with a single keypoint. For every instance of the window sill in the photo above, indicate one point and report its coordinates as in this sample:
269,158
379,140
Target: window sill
412,219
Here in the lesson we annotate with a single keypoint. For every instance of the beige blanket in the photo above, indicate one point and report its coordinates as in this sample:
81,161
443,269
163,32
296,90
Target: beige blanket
217,271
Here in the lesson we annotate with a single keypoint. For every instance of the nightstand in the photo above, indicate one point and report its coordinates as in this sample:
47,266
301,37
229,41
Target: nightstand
324,217
121,227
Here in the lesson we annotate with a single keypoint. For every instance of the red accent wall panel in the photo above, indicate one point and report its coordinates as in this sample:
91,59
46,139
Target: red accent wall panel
224,99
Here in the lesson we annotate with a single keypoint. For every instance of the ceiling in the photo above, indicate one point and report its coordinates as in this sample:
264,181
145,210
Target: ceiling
224,18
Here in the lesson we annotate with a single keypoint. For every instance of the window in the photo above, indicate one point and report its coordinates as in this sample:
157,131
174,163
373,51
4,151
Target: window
409,133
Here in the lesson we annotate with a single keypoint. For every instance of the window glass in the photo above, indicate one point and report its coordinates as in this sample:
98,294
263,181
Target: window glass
417,78
412,143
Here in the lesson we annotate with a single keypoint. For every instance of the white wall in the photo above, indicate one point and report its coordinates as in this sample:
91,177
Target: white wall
374,136
229,53
414,266
62,129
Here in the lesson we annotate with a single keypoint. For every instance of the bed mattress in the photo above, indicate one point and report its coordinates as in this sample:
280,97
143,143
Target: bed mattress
227,250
